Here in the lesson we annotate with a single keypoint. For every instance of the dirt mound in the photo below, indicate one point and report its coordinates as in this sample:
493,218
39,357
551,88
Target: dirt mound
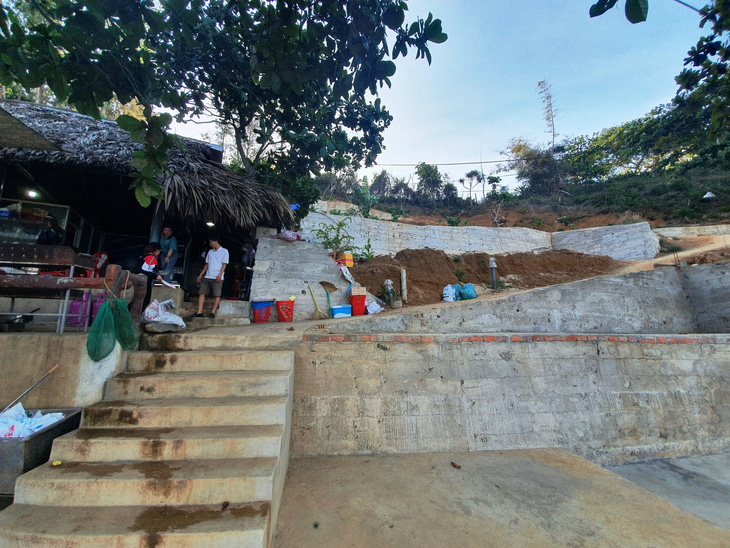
429,270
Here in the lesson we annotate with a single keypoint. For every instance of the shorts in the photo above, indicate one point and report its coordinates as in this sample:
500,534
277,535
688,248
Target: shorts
210,287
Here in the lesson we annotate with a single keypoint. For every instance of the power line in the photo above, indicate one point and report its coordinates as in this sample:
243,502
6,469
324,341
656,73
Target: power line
449,163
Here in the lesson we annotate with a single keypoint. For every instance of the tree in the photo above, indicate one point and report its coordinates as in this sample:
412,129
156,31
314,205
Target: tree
430,181
303,73
363,199
546,92
537,168
473,179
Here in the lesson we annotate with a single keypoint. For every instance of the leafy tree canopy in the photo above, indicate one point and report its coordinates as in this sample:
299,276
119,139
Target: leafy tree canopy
302,73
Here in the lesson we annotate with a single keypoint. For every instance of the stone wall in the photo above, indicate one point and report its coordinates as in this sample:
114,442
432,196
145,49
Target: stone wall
625,242
621,242
653,301
26,357
608,398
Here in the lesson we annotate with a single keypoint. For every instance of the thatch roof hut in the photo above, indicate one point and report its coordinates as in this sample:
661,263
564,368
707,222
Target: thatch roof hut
86,163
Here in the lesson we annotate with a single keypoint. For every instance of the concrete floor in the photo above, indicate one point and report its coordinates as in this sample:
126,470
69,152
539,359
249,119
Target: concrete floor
700,485
547,497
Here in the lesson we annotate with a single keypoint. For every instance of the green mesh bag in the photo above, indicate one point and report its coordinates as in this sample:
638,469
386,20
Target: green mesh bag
124,327
101,339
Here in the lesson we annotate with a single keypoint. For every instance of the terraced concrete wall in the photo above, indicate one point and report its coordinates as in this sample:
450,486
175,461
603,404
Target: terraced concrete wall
622,242
388,238
626,242
644,302
707,287
609,398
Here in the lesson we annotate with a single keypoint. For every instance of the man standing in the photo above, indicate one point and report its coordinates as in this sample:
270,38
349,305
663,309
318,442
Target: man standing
211,277
168,245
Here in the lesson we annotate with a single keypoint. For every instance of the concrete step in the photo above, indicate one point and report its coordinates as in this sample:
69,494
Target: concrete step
165,483
157,444
183,412
220,338
197,384
218,321
210,360
240,525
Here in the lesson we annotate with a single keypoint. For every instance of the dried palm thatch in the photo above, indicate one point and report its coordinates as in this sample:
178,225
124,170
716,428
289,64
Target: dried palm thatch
197,188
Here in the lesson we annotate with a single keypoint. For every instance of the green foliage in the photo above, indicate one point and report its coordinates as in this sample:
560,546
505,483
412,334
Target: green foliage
301,76
365,252
334,237
453,221
668,247
636,10
389,296
430,181
459,273
362,198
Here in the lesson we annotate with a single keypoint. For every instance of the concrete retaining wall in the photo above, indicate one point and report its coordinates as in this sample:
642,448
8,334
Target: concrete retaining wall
608,398
625,242
692,231
644,302
26,357
387,238
283,269
621,242
706,287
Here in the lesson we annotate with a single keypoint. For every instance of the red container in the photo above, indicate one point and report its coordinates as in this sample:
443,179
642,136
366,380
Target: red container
358,305
285,310
261,315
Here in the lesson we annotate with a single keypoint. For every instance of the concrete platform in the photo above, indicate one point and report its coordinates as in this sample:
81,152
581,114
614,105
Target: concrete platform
700,485
546,497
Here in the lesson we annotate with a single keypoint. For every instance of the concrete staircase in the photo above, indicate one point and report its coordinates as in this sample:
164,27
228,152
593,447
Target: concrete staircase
189,448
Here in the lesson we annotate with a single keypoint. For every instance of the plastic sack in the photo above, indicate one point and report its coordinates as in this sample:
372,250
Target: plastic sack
373,308
468,292
16,423
289,236
126,331
449,294
101,339
457,292
160,313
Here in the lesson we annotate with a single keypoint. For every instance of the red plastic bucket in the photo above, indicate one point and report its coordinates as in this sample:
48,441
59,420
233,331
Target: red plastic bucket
261,315
261,310
285,310
358,305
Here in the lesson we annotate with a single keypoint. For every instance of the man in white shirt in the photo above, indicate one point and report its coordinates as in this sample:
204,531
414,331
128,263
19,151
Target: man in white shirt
211,277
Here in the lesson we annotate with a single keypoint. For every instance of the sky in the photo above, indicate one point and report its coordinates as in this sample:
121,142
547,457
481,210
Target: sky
480,90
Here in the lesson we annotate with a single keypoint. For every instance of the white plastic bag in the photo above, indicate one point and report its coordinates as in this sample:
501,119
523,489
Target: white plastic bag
160,313
449,294
373,307
15,422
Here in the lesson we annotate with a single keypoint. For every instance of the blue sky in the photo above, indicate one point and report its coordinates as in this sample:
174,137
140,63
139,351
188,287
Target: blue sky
481,89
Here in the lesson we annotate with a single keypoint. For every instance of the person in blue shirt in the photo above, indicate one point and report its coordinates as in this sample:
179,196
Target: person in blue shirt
168,253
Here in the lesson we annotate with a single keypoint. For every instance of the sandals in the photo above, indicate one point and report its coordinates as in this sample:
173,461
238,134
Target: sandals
211,316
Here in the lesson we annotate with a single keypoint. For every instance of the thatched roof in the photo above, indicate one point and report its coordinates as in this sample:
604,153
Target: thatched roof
197,189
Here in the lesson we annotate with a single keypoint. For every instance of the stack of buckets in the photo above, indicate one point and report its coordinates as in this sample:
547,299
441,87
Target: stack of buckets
357,300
